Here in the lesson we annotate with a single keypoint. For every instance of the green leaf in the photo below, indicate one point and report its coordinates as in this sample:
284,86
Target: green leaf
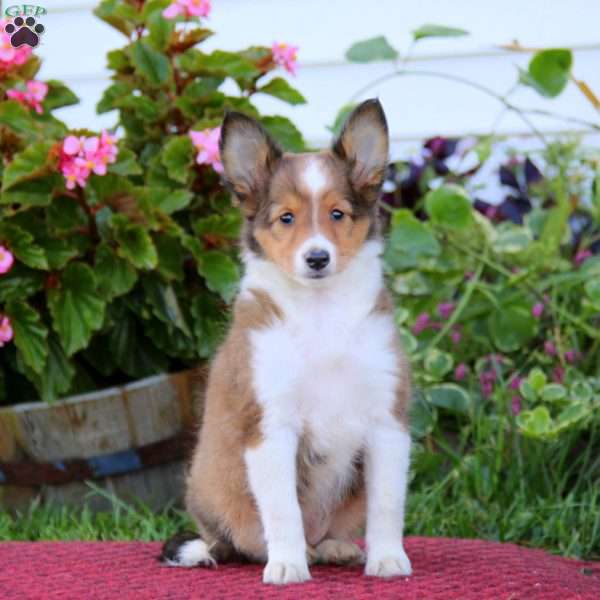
412,283
112,95
170,256
115,276
449,396
592,291
431,30
422,417
55,380
450,206
64,214
409,240
527,391
37,192
227,225
553,392
549,71
16,117
30,334
218,63
535,423
144,108
284,132
135,243
59,95
281,89
438,363
209,324
221,273
76,308
167,200
341,118
407,340
512,240
119,60
377,48
135,354
118,14
151,64
164,302
537,379
512,327
178,157
582,391
22,245
126,163
159,28
32,163
20,283
574,413
59,251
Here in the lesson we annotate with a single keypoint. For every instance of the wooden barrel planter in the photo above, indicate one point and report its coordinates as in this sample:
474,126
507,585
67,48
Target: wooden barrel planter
131,440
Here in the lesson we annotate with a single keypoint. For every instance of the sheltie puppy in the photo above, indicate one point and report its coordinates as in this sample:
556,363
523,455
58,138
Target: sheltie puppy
305,431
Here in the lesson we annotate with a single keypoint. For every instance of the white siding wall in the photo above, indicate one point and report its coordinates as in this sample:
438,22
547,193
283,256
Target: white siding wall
75,44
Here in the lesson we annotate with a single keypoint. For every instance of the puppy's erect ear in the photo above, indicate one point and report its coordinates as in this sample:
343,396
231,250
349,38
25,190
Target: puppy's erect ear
364,145
248,155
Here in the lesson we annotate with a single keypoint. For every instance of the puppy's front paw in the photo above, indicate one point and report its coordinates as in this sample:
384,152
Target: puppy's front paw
280,573
393,564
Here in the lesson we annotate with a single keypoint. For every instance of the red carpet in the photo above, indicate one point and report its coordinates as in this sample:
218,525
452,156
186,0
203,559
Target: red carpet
444,569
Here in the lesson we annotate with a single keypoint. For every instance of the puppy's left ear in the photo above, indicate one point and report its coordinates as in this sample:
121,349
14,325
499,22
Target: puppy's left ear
364,145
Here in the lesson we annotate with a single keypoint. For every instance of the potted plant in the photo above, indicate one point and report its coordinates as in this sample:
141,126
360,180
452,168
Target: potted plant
117,254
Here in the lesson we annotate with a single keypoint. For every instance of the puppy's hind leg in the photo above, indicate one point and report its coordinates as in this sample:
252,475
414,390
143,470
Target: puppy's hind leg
187,550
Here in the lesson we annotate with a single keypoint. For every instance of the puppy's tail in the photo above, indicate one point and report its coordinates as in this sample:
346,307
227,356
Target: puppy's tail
187,549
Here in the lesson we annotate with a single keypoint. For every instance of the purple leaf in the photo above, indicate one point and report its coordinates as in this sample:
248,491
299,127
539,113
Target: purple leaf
507,177
532,173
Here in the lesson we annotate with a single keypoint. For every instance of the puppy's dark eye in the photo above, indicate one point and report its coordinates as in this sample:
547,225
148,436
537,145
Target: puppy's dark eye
287,218
337,215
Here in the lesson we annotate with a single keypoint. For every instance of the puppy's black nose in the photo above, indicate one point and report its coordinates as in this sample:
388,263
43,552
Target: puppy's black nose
317,259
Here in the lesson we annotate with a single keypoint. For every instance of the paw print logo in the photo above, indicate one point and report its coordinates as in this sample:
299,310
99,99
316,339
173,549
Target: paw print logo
24,31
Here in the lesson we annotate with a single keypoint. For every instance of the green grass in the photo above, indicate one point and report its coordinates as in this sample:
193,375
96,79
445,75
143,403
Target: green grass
567,527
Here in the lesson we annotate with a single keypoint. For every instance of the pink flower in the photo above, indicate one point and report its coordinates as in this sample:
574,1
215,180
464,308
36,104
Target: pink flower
32,97
571,356
6,260
187,8
515,382
286,56
72,145
549,348
581,257
9,55
487,388
558,374
537,309
86,155
421,323
460,372
74,175
455,336
108,147
445,309
6,331
516,405
207,144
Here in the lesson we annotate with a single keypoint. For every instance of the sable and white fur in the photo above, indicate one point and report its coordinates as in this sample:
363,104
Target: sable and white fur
305,431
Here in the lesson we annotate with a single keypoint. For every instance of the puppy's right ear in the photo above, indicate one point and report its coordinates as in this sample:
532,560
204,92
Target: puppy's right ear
249,156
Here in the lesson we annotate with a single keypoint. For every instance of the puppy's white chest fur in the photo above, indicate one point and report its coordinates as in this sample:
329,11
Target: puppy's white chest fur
327,369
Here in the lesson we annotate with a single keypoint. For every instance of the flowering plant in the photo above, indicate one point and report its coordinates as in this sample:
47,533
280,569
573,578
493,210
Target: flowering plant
117,253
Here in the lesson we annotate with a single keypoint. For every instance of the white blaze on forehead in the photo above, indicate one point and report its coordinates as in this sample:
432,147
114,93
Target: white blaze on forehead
314,176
